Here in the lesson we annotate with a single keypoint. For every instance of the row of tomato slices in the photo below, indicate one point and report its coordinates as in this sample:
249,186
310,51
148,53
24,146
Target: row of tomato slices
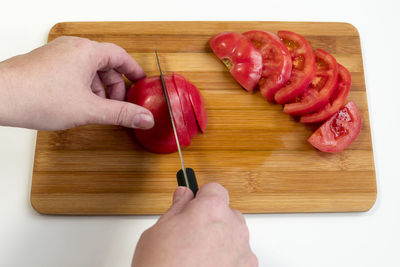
310,84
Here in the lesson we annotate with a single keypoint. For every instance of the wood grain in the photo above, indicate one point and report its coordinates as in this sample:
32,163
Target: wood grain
251,147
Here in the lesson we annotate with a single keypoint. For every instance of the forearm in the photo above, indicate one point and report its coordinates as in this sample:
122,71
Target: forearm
26,100
7,105
16,94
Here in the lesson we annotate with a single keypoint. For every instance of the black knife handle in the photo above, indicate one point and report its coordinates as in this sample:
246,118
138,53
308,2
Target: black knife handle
191,179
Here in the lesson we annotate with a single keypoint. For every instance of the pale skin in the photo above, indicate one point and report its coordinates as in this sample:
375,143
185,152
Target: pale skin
61,85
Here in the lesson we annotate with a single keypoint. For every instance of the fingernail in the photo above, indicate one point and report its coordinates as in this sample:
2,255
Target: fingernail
143,121
179,192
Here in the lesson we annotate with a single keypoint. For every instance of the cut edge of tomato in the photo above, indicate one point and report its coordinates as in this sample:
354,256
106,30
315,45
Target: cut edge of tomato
269,85
341,142
198,106
177,114
304,77
187,108
316,100
337,99
291,91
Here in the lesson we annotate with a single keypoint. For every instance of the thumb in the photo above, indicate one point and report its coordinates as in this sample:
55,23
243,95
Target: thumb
115,112
182,196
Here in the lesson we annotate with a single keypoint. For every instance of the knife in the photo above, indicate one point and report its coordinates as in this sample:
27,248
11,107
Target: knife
185,176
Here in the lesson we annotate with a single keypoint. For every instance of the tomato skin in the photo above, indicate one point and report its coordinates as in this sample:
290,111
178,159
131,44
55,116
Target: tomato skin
240,56
187,109
148,93
320,89
277,62
303,70
197,102
339,131
336,100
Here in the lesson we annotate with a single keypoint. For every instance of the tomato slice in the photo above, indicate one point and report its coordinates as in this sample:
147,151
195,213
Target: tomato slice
339,131
198,106
303,70
240,56
277,62
186,105
320,89
336,100
148,93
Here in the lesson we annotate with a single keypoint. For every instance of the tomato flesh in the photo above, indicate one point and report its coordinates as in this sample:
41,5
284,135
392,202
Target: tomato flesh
303,67
277,62
339,131
336,100
320,89
240,56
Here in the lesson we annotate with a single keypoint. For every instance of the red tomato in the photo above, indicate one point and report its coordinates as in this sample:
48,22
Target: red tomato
148,93
277,62
303,70
336,100
190,119
192,105
240,56
320,89
339,131
198,106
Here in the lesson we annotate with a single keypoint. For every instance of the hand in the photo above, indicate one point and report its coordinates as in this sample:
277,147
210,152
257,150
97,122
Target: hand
197,232
60,86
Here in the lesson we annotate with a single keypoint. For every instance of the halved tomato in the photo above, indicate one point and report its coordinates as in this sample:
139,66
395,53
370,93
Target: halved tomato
335,101
303,70
320,89
240,56
339,131
160,138
277,62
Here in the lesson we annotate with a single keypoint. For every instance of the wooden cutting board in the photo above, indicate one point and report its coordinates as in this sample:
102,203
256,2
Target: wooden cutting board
251,147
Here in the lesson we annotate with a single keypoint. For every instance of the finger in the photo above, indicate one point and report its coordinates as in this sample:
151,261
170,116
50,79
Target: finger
111,56
182,196
97,87
239,215
114,112
249,259
115,84
182,193
213,190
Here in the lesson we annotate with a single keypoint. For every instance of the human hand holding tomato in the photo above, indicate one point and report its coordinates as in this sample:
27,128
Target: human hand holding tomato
200,231
60,86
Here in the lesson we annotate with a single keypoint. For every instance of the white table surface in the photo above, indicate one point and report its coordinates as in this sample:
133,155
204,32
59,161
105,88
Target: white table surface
351,239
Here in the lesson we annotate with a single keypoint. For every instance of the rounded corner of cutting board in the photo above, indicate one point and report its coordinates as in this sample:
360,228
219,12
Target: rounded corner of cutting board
371,202
56,30
351,27
36,206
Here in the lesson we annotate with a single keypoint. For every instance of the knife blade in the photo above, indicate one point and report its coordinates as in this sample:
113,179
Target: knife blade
185,176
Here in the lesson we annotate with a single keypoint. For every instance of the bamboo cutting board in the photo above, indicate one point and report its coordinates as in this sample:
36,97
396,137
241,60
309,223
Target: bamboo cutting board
251,147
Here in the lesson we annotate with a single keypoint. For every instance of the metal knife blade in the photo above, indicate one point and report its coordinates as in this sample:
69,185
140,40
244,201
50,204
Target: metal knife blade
172,122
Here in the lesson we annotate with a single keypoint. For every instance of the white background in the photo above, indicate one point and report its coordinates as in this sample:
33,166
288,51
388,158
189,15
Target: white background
352,239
